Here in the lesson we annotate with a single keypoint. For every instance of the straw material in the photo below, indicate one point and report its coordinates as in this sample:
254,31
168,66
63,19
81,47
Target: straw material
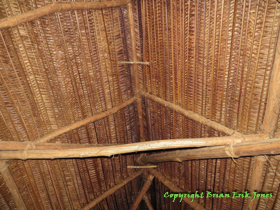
213,58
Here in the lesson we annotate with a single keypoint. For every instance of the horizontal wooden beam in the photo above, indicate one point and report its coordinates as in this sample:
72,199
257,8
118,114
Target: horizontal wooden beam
57,7
142,192
30,150
112,190
10,183
263,147
85,121
174,188
191,115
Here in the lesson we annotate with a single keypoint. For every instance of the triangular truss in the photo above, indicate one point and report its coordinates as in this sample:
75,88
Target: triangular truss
235,145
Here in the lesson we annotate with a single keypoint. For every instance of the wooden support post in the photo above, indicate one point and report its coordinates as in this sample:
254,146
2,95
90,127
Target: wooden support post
135,67
191,114
273,101
174,188
5,173
142,192
268,147
256,181
57,7
112,190
148,203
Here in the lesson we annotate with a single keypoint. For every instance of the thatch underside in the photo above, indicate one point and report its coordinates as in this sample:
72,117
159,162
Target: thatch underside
209,68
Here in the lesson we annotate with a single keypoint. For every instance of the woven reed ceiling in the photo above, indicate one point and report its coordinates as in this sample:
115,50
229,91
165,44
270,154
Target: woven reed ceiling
211,57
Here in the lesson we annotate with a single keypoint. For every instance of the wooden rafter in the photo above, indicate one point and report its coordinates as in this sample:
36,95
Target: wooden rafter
269,125
112,190
174,188
85,121
268,147
256,181
135,68
272,110
191,114
30,150
148,203
142,192
5,173
57,7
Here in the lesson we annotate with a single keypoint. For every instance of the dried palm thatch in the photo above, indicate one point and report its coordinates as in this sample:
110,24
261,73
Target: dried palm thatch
73,75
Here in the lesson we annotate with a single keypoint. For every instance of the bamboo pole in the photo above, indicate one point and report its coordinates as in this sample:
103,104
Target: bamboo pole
85,121
174,188
268,147
191,114
148,203
135,67
5,173
272,110
112,190
256,182
57,7
33,150
142,192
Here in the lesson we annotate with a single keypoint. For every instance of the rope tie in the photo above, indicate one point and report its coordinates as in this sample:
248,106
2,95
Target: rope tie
229,151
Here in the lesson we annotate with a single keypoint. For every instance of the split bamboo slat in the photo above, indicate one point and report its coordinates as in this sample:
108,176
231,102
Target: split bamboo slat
9,181
142,192
112,190
57,7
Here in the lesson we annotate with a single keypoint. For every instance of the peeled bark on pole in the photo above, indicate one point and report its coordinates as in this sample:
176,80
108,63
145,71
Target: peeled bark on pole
190,114
34,150
264,147
174,188
135,67
256,182
112,190
5,173
88,150
142,192
57,7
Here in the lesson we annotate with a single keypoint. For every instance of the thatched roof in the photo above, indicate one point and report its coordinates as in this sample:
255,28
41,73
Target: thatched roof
76,118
